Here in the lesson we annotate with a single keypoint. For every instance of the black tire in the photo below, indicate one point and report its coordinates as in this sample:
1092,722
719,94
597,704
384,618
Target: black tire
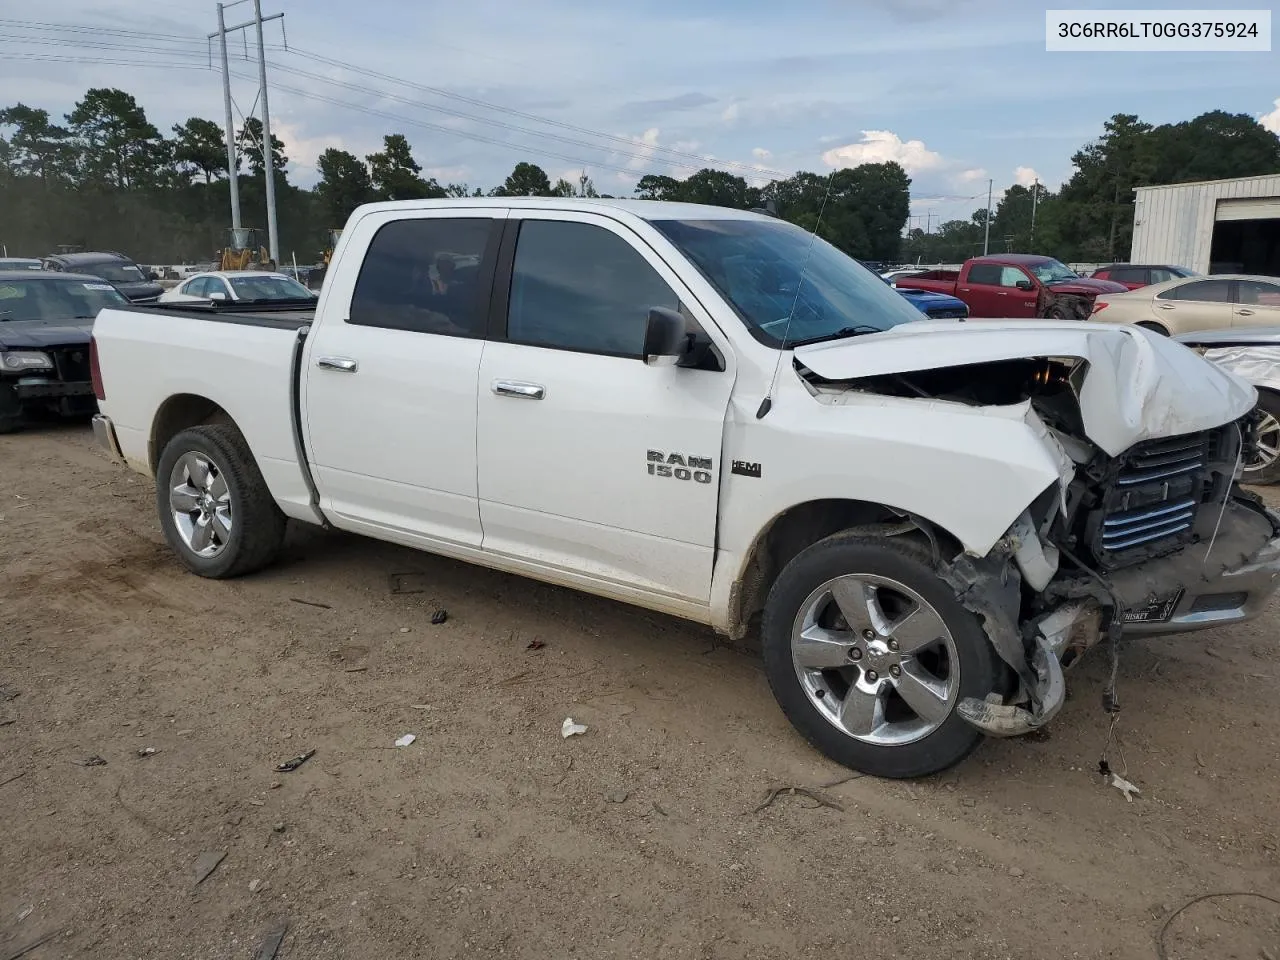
979,667
11,418
10,425
1059,312
258,528
1268,407
1153,327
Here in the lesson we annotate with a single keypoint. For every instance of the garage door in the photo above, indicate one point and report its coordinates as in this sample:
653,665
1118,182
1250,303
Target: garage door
1263,208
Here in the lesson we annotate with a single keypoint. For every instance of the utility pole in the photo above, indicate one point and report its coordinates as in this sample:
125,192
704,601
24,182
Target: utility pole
268,155
232,165
986,237
273,242
1035,196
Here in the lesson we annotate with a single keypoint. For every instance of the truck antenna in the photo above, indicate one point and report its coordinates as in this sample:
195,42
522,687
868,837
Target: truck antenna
767,403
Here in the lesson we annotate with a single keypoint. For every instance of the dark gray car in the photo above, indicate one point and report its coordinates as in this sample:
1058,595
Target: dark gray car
45,323
133,281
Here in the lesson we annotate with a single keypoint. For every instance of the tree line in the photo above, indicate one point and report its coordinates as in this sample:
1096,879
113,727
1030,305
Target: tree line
1089,219
105,177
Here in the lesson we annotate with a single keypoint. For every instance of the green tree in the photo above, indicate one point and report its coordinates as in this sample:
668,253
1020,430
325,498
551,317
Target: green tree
396,175
36,147
250,140
564,188
199,148
526,180
119,147
344,185
653,186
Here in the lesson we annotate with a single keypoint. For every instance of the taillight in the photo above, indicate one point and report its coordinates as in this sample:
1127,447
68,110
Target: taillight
1099,306
95,370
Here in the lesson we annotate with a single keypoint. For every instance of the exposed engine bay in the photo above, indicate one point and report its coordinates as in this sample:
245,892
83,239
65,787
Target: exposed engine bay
1140,541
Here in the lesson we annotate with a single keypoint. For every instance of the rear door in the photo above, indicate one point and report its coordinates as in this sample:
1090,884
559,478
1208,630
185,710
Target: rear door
1195,305
591,462
390,375
1257,303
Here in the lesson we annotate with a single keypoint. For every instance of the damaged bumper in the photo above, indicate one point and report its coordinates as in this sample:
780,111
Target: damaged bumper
1226,580
1222,594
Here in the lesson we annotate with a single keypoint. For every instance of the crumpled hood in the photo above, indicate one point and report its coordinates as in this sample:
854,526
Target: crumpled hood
1088,286
36,334
1139,385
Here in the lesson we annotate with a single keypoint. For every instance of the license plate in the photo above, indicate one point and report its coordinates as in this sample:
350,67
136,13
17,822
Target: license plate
1155,612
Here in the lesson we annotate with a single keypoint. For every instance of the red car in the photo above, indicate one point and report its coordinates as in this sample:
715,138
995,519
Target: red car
1016,285
1135,275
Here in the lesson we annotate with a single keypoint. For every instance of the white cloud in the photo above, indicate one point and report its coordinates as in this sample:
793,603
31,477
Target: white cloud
1026,176
730,113
446,175
760,153
881,146
972,175
304,150
644,150
1272,120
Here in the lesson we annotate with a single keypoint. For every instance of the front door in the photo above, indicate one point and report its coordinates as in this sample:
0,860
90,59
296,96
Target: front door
390,375
1257,303
591,462
991,290
1195,305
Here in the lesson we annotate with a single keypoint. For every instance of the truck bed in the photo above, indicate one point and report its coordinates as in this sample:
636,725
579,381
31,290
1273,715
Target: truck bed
284,315
242,357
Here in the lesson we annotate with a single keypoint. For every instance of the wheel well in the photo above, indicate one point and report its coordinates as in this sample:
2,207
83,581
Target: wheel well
176,414
802,526
1154,327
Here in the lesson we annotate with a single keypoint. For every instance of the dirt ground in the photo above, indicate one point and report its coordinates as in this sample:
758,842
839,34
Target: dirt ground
492,836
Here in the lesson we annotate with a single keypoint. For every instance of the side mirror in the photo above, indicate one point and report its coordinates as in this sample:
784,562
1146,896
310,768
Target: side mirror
217,296
665,337
1025,285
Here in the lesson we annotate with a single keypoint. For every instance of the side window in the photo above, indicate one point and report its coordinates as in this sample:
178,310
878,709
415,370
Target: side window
196,287
424,275
1255,293
1212,291
1011,276
1129,275
580,287
987,274
1160,275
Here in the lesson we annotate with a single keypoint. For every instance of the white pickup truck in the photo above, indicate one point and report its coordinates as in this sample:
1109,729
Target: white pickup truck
713,414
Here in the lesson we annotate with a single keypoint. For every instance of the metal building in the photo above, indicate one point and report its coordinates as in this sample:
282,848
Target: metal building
1213,226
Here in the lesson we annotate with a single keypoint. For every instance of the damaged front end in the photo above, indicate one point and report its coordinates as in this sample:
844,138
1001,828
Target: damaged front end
1147,531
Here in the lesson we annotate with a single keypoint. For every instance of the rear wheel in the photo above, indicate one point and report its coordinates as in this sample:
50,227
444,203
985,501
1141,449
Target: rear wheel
868,653
1264,465
1154,327
215,509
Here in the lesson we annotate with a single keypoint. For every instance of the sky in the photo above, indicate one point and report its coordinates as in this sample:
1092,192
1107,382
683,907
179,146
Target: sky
957,91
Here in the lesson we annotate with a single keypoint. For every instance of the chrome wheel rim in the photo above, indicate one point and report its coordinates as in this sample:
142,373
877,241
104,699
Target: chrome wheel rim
201,505
875,659
1267,444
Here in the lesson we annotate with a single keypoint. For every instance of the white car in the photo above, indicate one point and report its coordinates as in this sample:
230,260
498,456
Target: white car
709,413
255,285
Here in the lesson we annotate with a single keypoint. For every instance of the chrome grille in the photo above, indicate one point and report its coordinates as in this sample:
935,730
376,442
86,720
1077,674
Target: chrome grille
1151,501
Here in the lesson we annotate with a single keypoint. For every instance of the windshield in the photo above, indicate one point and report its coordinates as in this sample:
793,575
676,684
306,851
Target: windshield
756,265
55,300
116,272
1051,271
267,288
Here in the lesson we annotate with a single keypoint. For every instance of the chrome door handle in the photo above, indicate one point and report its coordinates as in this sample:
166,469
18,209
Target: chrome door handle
518,388
1167,306
341,364
1245,313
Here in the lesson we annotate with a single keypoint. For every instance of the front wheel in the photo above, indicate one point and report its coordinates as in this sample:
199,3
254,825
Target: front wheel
868,653
1264,465
215,509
